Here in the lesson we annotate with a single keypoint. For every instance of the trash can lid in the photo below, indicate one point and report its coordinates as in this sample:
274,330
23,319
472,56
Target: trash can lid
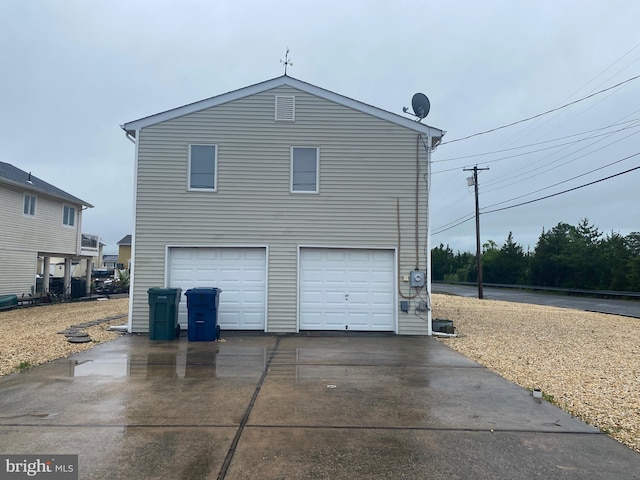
203,291
163,290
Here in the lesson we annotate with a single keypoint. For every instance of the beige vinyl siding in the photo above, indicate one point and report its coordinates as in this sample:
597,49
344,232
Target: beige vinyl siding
365,165
18,268
23,237
43,232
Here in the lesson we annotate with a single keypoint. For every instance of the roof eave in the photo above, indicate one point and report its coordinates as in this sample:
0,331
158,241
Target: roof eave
33,188
132,127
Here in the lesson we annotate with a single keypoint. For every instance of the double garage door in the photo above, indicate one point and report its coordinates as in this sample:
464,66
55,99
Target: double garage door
338,289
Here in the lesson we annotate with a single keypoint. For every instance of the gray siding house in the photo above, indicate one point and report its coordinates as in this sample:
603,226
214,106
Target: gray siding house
307,208
38,221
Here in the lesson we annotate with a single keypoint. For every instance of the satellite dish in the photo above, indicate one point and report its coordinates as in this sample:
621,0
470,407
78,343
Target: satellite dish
421,105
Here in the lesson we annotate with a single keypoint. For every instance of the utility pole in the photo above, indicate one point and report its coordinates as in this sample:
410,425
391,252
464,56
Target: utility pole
475,170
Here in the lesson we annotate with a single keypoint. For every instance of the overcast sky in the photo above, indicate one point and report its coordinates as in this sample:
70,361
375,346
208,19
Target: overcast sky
73,71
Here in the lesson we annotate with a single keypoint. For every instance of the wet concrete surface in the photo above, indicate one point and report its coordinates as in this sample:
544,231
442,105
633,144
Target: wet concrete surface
628,308
295,407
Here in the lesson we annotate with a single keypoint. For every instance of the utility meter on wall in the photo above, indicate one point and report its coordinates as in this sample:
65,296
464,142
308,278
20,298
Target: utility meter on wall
416,279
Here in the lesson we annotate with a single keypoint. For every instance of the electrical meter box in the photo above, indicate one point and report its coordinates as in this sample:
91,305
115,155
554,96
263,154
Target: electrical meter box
416,279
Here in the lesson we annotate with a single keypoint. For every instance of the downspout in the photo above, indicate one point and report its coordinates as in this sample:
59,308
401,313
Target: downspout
132,270
429,148
428,234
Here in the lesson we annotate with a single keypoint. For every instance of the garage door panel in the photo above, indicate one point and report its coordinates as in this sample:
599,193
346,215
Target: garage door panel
182,275
347,287
239,272
204,253
183,254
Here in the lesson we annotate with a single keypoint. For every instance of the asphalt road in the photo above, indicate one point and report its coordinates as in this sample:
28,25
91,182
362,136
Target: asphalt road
629,308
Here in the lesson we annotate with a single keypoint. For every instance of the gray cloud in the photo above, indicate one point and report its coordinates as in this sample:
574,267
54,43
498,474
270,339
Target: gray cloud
75,70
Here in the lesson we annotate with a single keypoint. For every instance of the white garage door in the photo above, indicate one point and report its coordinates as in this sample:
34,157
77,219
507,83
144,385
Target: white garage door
239,272
347,289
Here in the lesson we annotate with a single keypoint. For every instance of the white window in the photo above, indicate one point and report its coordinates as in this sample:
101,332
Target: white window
29,205
202,167
304,169
68,216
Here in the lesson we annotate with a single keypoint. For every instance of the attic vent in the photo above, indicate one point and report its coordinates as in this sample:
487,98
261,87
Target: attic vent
285,109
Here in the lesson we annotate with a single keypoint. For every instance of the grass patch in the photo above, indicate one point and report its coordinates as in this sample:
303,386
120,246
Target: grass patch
24,365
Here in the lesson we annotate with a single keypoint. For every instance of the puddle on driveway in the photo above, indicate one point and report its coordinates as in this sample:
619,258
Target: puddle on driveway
235,363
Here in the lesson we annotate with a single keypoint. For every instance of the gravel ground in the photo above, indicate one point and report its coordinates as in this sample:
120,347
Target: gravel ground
29,335
586,363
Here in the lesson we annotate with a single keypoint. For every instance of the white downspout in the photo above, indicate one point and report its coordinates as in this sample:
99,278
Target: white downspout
132,270
428,240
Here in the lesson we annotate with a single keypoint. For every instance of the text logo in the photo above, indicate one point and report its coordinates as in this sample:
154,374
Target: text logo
50,467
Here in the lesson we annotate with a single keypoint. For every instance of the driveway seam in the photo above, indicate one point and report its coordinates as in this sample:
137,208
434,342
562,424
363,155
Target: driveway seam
234,444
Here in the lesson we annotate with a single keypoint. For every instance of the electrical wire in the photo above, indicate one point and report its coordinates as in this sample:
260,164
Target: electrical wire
561,193
441,229
543,113
544,142
565,181
528,173
530,129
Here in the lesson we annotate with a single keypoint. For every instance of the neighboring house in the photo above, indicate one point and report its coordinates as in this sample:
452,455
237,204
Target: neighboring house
124,252
307,208
38,220
109,261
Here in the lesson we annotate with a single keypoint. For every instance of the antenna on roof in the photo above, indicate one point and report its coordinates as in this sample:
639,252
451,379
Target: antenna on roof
286,62
421,106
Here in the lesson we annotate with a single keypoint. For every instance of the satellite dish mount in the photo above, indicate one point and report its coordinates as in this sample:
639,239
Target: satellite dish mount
421,106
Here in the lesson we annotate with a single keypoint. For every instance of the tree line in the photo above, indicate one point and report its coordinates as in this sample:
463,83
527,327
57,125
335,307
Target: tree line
566,256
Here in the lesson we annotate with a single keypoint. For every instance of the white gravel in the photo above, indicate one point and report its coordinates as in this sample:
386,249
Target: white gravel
29,335
586,363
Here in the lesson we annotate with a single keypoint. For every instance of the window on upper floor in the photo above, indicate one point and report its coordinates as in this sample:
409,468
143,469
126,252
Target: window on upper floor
203,167
304,169
29,205
68,216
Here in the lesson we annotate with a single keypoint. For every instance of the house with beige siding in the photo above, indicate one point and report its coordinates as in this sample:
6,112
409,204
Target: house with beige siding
39,222
308,209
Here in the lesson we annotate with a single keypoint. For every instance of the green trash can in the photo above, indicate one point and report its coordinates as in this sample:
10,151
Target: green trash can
163,313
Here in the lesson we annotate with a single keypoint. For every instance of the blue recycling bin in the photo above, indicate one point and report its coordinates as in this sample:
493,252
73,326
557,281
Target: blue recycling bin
202,312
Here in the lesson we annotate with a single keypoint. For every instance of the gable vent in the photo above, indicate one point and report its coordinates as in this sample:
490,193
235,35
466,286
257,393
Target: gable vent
285,109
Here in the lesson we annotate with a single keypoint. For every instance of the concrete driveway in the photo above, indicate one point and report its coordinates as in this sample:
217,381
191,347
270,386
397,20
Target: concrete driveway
295,407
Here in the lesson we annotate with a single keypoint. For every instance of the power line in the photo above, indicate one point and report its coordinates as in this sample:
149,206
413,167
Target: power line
441,230
543,113
541,169
565,181
544,142
466,218
563,192
528,131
